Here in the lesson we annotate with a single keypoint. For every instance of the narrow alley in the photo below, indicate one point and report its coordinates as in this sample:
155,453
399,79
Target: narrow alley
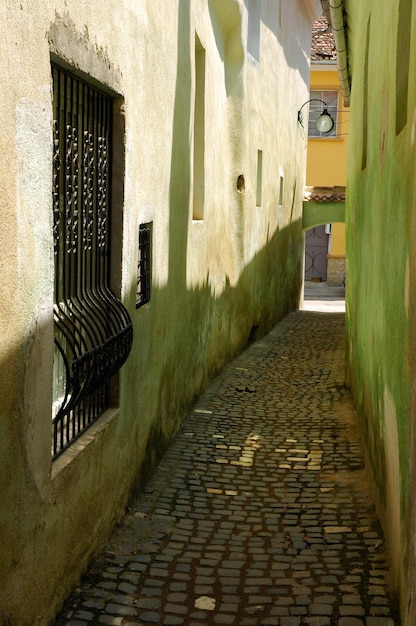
260,512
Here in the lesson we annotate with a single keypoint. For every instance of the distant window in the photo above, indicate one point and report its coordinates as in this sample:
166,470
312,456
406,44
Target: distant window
199,133
281,191
144,266
316,108
259,186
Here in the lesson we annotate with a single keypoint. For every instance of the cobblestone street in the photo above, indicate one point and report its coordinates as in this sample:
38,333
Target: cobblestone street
260,511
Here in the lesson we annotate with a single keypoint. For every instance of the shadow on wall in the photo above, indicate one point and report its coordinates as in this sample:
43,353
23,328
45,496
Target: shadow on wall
180,173
226,24
184,343
184,336
177,348
271,17
181,339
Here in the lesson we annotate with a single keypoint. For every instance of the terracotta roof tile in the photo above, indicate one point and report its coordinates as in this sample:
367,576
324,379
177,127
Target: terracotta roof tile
323,45
324,194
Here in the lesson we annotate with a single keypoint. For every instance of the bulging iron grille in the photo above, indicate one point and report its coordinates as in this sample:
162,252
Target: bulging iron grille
93,330
144,266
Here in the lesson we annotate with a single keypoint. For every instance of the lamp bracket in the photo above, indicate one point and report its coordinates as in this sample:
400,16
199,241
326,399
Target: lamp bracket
325,122
300,117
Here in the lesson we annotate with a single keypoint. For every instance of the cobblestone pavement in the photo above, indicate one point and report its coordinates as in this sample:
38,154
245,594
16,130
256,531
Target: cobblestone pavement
259,513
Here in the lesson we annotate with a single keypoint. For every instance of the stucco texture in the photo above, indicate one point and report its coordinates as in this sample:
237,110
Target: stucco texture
216,283
380,251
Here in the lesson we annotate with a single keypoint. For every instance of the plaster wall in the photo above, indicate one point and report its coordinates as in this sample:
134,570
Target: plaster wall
338,239
216,282
380,250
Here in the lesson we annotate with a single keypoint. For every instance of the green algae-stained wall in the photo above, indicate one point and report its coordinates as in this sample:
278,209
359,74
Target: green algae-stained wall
315,213
380,223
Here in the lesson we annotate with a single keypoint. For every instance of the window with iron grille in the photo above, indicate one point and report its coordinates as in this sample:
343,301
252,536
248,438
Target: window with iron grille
144,265
315,110
93,331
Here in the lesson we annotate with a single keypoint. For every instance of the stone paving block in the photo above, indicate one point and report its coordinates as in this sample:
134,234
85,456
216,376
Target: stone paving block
94,604
352,609
150,617
286,621
319,608
120,609
279,610
111,621
149,603
173,620
84,615
220,618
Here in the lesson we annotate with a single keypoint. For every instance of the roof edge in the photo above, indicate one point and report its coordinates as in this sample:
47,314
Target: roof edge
313,9
327,12
336,9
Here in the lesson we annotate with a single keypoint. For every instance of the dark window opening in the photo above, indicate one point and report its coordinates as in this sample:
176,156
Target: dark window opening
144,265
93,331
199,133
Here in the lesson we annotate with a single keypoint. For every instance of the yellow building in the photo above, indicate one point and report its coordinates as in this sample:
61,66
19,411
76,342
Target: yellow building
327,157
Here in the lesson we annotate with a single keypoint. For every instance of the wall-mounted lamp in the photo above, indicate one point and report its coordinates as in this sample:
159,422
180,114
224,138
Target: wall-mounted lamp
324,123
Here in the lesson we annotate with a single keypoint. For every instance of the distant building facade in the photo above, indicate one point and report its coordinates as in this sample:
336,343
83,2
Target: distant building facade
327,158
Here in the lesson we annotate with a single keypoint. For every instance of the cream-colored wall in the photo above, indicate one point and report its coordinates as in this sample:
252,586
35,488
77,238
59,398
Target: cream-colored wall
215,283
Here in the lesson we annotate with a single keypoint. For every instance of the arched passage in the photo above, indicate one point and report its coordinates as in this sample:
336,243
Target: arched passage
322,208
316,213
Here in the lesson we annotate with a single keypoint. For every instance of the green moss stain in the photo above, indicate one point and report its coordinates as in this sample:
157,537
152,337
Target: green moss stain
380,231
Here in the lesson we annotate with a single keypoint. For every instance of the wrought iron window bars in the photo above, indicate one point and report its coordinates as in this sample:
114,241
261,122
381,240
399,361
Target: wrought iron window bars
93,330
144,266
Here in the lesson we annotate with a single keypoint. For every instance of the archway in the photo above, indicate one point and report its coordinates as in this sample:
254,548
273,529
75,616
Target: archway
323,211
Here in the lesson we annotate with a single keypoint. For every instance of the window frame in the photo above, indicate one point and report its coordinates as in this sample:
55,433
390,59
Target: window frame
92,329
331,98
144,265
